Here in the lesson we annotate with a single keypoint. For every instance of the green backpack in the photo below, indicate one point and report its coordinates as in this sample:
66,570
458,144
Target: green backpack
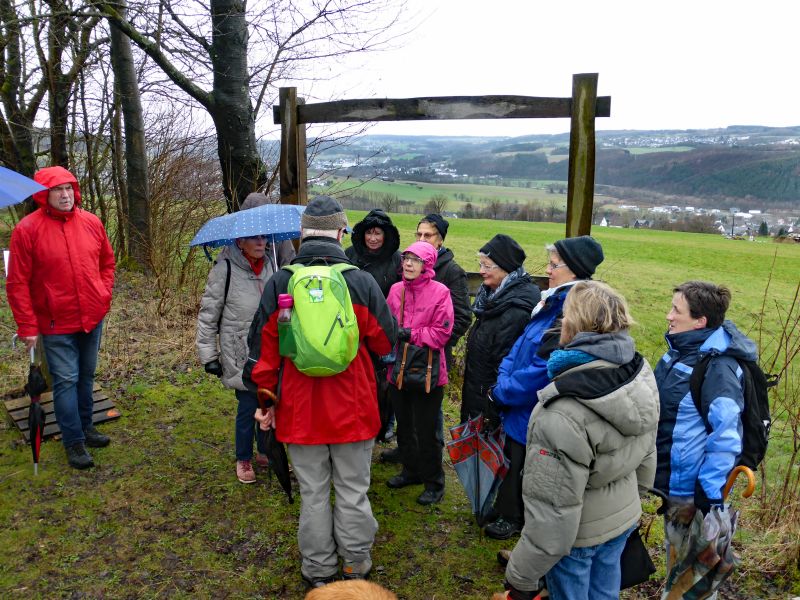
322,337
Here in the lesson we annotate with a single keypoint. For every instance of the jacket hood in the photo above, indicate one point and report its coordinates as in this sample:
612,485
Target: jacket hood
618,348
428,254
376,218
616,394
725,340
320,251
444,256
51,177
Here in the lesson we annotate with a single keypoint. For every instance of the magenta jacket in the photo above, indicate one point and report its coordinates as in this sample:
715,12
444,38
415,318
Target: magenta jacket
428,307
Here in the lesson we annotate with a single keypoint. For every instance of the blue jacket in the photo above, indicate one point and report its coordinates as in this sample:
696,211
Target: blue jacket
692,462
523,371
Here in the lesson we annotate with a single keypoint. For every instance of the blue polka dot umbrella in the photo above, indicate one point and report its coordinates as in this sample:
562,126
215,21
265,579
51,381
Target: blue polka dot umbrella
276,221
15,188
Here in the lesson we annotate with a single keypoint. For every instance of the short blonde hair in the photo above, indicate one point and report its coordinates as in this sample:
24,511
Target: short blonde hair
595,307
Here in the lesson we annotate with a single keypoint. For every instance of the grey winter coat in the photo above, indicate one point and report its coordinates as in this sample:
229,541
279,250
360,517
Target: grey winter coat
590,451
244,294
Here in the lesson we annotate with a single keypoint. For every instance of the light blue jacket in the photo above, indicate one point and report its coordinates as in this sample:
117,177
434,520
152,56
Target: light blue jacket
691,461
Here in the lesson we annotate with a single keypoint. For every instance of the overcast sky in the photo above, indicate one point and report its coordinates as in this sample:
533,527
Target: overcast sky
682,64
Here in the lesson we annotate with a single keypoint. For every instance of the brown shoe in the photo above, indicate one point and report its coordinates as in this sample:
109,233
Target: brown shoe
244,471
262,461
503,556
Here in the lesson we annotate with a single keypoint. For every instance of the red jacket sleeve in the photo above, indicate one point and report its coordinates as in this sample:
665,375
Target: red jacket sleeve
18,286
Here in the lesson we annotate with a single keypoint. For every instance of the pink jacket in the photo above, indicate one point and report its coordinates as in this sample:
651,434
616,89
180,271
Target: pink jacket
428,308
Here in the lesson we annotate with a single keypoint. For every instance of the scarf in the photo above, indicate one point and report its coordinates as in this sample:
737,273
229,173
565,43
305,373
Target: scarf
561,360
485,294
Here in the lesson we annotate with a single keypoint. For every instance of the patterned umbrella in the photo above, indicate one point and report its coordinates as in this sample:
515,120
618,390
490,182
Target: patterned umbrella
700,552
277,221
478,459
14,188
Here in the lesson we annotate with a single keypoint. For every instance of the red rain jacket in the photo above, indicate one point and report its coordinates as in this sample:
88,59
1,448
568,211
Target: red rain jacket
61,272
339,409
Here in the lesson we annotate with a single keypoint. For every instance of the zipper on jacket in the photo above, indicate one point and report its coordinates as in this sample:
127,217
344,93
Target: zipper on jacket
52,324
338,319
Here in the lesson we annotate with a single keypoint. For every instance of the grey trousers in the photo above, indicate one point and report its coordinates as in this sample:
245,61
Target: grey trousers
347,528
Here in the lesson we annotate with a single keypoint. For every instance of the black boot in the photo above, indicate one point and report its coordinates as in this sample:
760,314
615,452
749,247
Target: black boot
78,457
95,439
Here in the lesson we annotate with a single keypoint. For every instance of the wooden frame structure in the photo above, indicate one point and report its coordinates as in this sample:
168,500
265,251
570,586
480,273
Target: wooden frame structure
293,114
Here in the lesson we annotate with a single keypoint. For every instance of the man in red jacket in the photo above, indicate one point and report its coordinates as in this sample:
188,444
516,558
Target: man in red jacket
329,423
59,287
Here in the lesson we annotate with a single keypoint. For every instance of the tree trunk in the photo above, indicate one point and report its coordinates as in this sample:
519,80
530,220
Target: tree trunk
243,171
126,85
58,83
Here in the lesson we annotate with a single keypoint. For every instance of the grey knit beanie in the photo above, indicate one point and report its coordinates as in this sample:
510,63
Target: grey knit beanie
323,212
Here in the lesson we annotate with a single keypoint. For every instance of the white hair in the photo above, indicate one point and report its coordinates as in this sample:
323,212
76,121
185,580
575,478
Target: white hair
329,233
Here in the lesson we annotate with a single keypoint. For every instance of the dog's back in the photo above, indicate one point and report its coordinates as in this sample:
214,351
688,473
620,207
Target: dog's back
357,589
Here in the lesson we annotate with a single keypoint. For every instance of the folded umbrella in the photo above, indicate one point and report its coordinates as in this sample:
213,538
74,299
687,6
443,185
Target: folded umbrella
275,450
35,387
14,188
479,462
701,555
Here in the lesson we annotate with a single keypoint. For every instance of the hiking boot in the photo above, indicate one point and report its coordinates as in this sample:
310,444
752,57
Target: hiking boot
389,435
402,480
78,457
502,529
430,497
317,582
391,456
503,556
357,571
262,461
244,471
95,439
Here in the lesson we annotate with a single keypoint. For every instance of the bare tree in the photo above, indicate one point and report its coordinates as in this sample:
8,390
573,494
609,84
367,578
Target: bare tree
126,87
213,69
437,203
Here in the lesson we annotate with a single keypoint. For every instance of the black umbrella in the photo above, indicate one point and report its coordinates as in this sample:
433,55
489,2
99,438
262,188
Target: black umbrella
35,387
275,450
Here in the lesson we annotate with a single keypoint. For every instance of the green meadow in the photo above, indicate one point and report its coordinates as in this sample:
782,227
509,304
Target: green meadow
163,516
458,194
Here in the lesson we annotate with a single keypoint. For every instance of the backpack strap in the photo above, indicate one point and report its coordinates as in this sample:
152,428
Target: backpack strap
696,386
227,287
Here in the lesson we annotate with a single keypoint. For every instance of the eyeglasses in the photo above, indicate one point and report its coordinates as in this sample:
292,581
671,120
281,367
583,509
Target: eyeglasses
553,266
412,259
484,267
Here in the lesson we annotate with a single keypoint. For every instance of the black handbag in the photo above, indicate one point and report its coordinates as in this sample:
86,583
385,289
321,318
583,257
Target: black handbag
415,368
635,562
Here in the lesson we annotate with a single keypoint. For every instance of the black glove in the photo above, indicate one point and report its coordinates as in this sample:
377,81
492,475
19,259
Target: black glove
404,334
214,368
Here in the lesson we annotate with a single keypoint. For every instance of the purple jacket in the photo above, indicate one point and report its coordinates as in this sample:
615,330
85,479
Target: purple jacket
428,310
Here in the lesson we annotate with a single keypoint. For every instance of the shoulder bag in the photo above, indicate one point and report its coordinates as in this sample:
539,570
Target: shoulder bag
416,368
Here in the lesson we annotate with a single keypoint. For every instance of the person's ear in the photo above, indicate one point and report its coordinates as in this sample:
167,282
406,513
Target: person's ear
701,322
340,235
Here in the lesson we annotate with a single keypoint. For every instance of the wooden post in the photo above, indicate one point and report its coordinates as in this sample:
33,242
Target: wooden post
580,186
289,171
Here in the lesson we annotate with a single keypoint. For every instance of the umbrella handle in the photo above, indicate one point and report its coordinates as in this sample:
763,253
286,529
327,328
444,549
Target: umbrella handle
751,482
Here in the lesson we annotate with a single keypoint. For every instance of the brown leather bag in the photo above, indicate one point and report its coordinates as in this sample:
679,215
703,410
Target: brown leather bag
416,368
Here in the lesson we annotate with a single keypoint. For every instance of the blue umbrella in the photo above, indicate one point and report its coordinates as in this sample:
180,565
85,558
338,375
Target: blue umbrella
277,221
14,188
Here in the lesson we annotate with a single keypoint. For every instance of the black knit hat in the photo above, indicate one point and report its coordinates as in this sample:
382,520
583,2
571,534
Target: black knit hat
439,222
505,252
582,255
323,212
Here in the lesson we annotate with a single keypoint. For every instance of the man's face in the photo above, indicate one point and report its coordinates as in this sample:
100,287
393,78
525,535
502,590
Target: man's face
427,232
680,319
61,197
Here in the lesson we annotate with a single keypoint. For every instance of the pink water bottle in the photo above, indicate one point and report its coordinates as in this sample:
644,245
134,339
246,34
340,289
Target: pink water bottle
285,304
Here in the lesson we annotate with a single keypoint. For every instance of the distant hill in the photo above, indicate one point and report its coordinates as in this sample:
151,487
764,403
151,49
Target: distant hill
757,166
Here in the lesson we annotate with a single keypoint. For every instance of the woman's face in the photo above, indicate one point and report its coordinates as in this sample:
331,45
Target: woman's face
412,266
253,247
373,238
492,274
558,273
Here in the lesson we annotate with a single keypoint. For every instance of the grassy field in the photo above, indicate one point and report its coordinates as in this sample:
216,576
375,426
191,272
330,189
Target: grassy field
420,193
162,515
